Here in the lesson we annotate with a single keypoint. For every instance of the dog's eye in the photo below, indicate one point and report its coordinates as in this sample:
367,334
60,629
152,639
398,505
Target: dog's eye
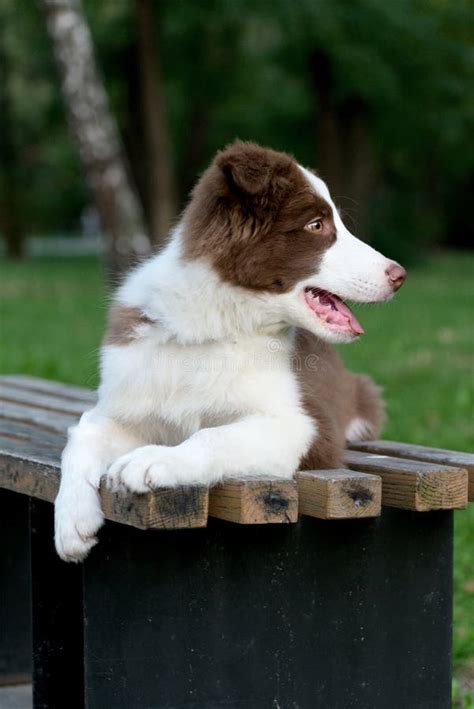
316,225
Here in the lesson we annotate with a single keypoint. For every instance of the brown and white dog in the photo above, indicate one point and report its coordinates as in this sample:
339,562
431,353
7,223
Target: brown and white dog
217,360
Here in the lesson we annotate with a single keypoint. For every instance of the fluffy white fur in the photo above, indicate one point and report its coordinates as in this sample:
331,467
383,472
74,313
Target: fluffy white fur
201,395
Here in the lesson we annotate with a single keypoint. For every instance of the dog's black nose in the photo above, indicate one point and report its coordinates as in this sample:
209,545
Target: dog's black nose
396,275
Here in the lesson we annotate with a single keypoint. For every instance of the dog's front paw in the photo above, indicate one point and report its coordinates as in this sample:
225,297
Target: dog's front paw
76,523
144,469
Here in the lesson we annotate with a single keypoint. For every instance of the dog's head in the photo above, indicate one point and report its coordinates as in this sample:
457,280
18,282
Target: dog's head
270,226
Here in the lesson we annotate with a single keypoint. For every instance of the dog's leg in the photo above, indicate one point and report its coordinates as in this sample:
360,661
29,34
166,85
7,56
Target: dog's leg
370,411
257,446
92,445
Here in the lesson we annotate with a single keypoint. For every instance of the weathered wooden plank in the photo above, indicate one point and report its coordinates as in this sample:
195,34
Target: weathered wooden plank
37,400
29,470
18,430
423,453
166,508
46,386
43,419
13,445
339,494
414,485
255,501
34,471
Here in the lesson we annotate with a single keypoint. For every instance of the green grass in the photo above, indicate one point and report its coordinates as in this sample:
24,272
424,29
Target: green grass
419,347
52,315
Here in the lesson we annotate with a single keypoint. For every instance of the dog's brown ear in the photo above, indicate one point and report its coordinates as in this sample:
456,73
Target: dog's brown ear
250,169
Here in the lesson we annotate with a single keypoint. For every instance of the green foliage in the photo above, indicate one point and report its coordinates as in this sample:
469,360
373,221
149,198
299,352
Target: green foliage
411,63
52,189
242,67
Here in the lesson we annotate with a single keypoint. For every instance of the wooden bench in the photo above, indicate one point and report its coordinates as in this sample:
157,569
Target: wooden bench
265,603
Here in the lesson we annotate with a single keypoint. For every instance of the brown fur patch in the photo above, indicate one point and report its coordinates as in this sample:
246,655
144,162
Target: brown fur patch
248,214
332,396
122,324
370,405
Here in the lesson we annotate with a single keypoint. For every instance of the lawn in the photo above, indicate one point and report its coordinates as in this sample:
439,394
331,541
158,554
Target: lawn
419,347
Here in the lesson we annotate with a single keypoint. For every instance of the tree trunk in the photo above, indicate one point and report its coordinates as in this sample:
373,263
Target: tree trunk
329,143
161,186
196,142
360,160
346,158
11,222
97,135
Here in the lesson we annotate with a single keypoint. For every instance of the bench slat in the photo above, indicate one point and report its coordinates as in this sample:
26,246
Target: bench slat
255,501
423,453
34,471
49,402
46,386
41,418
339,494
35,415
29,469
246,502
414,485
13,430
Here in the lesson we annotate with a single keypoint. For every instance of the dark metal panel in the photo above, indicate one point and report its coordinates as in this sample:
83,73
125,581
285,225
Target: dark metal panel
58,669
320,614
15,618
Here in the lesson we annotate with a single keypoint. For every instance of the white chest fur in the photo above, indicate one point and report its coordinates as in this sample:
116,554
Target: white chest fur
173,389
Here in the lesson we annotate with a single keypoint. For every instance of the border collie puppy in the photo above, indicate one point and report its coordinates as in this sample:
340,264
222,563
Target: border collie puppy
217,361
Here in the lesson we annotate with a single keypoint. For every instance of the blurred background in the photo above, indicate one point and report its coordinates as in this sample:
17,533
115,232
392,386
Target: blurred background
377,95
110,110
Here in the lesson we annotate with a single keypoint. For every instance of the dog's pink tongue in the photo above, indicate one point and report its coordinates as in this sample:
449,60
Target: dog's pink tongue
333,311
344,316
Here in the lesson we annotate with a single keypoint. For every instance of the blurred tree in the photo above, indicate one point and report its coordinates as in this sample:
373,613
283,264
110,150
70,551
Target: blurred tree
11,223
96,133
377,96
161,187
50,190
397,86
345,154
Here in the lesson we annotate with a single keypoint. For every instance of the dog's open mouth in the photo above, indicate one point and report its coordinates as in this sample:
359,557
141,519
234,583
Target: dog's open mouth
332,311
